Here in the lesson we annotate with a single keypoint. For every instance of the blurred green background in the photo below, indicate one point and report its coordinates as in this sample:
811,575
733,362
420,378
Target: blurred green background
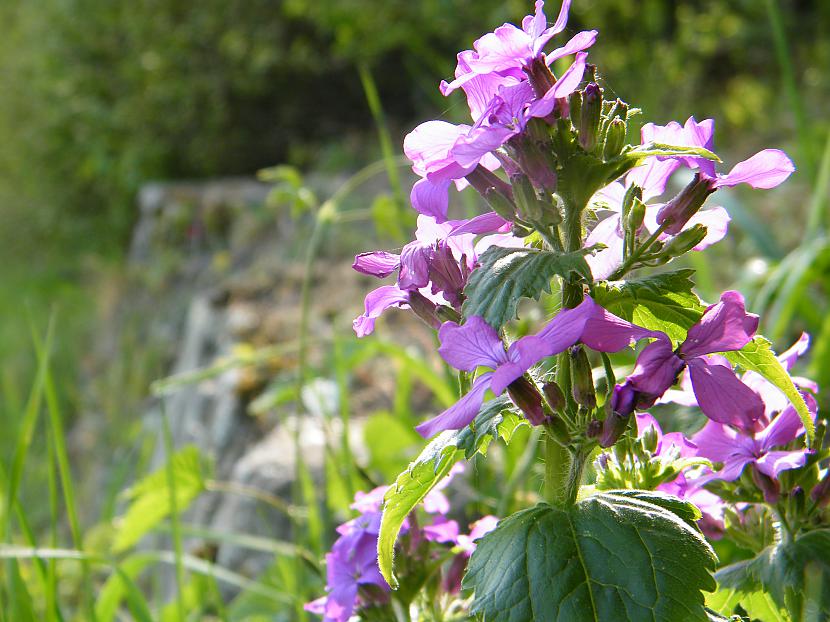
100,97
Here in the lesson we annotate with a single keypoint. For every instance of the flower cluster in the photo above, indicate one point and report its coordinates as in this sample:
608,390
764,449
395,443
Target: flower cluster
574,213
353,581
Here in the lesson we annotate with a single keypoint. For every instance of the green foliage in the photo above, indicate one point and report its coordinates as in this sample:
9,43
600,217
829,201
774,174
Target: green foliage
758,356
757,605
495,419
150,497
508,274
663,302
607,557
795,572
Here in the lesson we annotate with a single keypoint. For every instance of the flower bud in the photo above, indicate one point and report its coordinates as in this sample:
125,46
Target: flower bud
594,428
540,76
582,380
602,461
614,138
767,485
425,309
520,231
685,241
447,314
649,440
527,398
612,428
554,396
528,205
538,164
500,204
623,399
636,216
575,105
618,109
798,500
820,494
590,116
557,428
590,74
681,208
631,193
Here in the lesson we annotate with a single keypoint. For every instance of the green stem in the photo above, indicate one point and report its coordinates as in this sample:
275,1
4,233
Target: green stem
557,467
636,255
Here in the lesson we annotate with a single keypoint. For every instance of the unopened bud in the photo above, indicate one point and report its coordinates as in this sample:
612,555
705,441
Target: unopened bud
685,241
649,439
447,314
590,116
612,428
520,231
557,428
590,74
594,428
500,204
820,494
528,205
798,500
425,309
614,138
677,212
537,162
575,105
623,399
631,193
527,398
767,485
582,380
554,396
618,109
602,461
636,216
540,76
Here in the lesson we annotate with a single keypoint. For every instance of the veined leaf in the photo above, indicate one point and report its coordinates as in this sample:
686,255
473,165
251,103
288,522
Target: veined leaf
508,274
494,419
758,356
795,573
608,557
663,302
150,498
758,605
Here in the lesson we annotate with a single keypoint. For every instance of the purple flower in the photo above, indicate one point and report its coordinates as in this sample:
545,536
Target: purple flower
672,445
724,327
766,169
652,177
736,450
477,344
508,50
774,400
352,562
436,264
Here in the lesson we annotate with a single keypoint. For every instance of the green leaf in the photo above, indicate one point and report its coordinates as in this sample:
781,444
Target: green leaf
150,498
683,509
661,149
508,274
757,605
494,419
663,302
606,558
796,573
758,356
